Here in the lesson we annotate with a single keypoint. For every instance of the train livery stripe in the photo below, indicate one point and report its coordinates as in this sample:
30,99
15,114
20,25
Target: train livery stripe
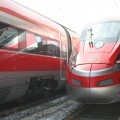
27,74
101,72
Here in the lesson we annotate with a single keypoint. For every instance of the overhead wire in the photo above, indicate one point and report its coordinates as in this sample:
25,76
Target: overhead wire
67,13
76,10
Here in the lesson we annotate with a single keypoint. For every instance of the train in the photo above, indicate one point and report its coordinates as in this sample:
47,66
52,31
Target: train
34,52
93,74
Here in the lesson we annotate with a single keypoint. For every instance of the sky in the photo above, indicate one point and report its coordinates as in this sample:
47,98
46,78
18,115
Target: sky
74,14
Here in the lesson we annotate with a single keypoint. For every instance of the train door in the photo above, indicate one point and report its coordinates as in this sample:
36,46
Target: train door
63,56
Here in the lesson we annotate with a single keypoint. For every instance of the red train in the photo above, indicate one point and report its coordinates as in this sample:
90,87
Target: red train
33,52
94,66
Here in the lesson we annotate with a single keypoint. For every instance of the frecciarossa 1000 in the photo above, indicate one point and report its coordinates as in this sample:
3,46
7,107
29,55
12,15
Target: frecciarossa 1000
94,65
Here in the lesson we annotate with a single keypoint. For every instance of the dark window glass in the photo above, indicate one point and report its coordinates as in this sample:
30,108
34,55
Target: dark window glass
9,37
13,38
107,31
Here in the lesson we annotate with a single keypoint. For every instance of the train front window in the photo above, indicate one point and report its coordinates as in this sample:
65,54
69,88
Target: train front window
101,37
106,32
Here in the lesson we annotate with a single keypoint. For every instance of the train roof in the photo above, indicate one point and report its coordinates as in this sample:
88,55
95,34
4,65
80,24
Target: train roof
19,12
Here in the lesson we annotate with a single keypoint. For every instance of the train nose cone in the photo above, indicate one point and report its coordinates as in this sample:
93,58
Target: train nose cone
99,83
104,83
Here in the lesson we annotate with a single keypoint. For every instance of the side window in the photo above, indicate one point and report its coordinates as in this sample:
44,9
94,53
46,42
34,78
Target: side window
47,46
34,43
9,38
57,49
52,47
22,41
38,39
12,44
31,43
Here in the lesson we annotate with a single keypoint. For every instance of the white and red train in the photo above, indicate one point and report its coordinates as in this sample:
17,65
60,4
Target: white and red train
94,66
33,52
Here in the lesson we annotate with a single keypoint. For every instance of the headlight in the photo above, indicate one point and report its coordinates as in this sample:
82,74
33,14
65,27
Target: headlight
76,82
73,57
106,82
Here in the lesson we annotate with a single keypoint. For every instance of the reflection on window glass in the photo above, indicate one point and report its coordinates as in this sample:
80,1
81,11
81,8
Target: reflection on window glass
9,36
13,43
13,38
31,43
38,39
103,31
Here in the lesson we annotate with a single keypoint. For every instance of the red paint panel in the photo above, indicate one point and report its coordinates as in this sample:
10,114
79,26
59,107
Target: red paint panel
83,79
101,67
106,48
12,61
97,79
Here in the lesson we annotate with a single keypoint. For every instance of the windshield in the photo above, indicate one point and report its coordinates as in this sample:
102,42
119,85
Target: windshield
106,31
101,37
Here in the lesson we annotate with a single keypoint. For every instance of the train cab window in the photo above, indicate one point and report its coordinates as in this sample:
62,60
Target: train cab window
105,31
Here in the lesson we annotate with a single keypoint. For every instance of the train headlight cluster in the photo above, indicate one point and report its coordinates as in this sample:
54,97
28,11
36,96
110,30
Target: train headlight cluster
106,82
76,82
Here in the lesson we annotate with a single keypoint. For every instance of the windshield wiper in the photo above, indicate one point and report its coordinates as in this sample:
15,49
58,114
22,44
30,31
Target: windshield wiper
90,39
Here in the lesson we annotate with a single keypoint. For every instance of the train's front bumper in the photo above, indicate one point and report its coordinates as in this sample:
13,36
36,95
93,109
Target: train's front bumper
95,95
94,86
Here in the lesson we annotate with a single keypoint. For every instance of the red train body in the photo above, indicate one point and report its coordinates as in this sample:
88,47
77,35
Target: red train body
33,52
94,66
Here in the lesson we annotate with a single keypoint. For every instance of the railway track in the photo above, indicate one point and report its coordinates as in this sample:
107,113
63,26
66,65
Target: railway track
62,108
96,112
56,109
13,110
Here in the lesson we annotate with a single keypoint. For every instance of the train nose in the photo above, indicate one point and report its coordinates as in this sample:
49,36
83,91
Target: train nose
95,83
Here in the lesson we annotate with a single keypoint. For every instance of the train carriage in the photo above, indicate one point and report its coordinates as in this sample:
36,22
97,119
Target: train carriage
34,52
